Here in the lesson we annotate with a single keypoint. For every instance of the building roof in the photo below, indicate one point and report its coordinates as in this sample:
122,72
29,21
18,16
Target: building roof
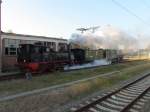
36,36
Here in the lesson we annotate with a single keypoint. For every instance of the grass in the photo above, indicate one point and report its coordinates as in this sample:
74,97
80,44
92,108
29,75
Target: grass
55,99
106,82
21,85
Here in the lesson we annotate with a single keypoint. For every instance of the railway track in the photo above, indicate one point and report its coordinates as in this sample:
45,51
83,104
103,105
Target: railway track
130,98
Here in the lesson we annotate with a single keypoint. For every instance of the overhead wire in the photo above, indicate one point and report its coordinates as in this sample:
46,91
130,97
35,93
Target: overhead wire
130,12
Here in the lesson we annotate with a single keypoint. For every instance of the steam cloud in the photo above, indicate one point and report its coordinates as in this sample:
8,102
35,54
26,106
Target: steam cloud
107,37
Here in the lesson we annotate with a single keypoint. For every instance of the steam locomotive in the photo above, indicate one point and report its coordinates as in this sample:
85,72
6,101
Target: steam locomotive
37,58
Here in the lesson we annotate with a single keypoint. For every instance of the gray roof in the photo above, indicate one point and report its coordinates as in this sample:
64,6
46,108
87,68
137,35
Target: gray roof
26,35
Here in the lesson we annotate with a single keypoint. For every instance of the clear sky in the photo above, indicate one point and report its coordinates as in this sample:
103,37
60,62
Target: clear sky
60,18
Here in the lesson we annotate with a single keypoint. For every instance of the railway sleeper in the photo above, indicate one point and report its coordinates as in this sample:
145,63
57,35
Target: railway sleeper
125,97
120,99
103,108
116,102
128,94
111,105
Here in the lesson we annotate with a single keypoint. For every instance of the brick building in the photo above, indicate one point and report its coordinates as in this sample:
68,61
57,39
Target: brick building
11,41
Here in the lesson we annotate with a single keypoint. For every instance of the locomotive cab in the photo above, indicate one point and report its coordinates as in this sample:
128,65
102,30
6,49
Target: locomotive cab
32,53
31,57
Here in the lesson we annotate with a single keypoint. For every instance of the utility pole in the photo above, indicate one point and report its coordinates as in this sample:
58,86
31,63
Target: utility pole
0,40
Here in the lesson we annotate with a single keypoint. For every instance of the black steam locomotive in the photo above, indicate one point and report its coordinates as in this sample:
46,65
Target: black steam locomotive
37,58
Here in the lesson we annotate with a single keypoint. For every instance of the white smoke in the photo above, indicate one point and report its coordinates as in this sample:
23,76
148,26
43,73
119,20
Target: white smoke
144,41
88,65
107,37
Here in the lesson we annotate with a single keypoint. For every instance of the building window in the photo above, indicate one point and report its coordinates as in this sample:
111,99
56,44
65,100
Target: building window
51,45
10,46
6,51
45,43
39,43
62,46
11,51
12,41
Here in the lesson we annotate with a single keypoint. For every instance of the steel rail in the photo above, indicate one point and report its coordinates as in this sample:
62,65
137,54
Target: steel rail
84,108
